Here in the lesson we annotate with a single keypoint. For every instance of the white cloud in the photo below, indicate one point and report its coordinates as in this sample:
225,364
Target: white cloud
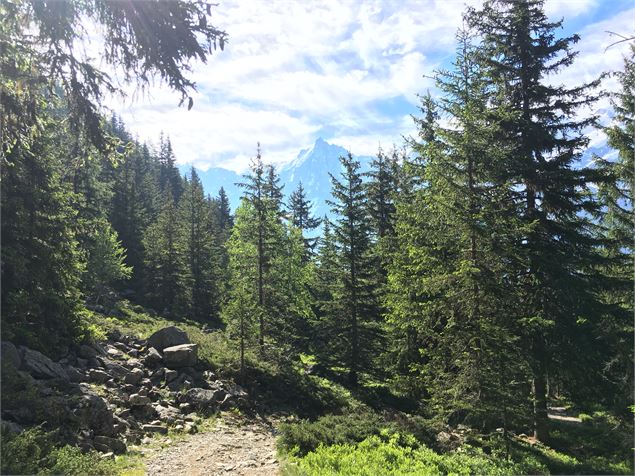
292,69
568,8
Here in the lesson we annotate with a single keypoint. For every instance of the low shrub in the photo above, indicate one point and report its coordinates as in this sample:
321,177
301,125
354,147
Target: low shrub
301,438
33,451
26,452
399,455
70,461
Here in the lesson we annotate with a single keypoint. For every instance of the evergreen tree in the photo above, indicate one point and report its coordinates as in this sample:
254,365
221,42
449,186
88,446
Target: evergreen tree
327,288
273,190
556,255
134,204
106,262
447,277
262,192
199,249
160,47
617,217
222,224
225,219
300,216
352,239
166,261
382,188
617,194
42,262
169,177
242,309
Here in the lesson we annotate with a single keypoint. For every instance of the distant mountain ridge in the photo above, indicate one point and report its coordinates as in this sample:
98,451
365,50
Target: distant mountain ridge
311,167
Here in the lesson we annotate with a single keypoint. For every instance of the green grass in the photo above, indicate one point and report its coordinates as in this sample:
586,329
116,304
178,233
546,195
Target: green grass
214,347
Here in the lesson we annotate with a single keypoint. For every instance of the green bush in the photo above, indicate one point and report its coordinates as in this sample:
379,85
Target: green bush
33,452
70,461
298,439
26,452
301,438
398,455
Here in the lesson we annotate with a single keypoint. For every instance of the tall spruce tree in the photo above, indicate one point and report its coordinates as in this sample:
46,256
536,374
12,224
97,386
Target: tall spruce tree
327,288
199,249
381,190
554,260
273,189
166,261
169,176
618,220
225,219
300,215
42,262
448,274
358,307
264,194
242,310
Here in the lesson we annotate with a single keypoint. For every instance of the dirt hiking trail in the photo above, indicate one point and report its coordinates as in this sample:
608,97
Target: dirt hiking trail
236,445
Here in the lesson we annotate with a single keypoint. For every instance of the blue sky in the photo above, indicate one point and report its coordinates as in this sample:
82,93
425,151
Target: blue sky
347,71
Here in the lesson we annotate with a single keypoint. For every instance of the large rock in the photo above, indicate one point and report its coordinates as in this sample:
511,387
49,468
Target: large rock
10,355
170,375
168,413
106,444
115,369
74,375
87,352
94,414
184,355
134,377
202,398
153,358
150,428
40,366
98,376
168,337
137,400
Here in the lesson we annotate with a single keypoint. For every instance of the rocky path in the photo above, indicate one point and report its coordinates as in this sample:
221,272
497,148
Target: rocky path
235,446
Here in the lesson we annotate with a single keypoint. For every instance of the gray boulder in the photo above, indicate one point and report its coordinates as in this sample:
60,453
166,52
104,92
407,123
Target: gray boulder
168,337
74,375
93,413
153,358
137,400
10,355
10,427
202,398
150,428
168,413
170,375
115,369
178,356
98,376
106,444
134,376
87,352
40,366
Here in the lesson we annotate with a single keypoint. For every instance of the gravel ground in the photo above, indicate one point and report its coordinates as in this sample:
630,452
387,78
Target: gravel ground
235,446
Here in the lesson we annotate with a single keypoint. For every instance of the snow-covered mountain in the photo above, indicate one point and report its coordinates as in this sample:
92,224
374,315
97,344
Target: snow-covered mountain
311,167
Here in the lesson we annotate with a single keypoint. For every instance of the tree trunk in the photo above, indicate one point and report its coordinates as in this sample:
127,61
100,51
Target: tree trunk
541,421
242,349
261,291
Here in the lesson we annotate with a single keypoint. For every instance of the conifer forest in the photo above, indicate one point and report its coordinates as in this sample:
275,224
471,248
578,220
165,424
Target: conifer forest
464,306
